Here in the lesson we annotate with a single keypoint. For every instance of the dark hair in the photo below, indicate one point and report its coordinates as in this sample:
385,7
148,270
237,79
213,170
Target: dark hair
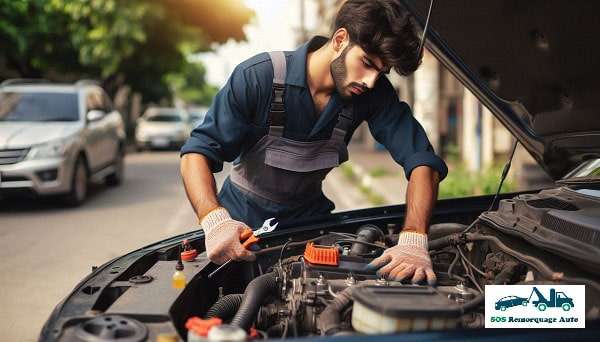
383,28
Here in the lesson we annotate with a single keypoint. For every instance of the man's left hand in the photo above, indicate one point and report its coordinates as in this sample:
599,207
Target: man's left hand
410,258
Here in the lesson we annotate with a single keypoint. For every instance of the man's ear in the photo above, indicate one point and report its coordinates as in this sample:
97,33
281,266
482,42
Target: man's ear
340,39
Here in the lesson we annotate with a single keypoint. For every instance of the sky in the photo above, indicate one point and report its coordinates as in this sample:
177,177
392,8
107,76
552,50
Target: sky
275,27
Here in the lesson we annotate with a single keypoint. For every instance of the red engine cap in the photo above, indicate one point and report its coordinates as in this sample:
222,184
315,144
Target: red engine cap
200,326
321,255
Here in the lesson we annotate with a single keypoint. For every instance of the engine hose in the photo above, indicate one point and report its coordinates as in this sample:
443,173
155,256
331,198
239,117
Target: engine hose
368,233
448,240
256,291
534,262
439,230
225,307
329,320
473,304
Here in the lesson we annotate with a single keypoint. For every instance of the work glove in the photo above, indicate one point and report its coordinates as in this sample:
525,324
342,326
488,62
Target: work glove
222,237
409,258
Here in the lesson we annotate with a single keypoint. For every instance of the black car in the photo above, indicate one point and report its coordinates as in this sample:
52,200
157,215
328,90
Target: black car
510,301
534,65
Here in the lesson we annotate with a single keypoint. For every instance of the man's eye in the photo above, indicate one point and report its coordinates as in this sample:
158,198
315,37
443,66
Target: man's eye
367,64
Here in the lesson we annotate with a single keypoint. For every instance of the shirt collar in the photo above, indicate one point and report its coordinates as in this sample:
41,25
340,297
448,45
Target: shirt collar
297,69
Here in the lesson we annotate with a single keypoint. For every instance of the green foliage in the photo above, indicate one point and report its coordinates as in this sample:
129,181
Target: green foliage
189,85
379,172
118,41
462,183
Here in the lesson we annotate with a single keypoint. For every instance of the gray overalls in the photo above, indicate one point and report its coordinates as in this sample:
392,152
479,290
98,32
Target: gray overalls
281,172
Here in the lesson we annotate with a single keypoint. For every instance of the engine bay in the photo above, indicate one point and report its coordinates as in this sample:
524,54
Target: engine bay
314,282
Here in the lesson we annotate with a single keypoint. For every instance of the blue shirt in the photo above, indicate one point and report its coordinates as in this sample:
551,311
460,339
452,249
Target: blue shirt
237,118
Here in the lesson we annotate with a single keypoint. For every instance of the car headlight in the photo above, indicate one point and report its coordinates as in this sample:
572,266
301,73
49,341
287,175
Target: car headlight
52,149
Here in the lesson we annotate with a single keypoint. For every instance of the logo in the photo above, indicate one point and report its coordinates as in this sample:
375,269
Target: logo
535,306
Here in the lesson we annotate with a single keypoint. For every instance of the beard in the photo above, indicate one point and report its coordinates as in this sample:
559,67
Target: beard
339,72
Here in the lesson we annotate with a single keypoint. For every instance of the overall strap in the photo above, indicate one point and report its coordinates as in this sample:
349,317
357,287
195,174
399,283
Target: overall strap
277,109
345,118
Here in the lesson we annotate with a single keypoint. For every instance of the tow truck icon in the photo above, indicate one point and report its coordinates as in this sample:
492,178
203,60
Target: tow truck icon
555,300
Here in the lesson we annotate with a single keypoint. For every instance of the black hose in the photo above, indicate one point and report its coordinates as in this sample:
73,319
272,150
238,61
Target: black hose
329,320
225,307
448,240
368,233
473,304
442,229
254,295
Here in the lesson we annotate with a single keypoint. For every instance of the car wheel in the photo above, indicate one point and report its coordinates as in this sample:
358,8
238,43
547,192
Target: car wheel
503,308
524,303
79,186
542,307
116,178
566,306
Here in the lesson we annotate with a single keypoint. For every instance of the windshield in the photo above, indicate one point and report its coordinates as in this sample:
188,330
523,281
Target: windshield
587,169
37,106
164,118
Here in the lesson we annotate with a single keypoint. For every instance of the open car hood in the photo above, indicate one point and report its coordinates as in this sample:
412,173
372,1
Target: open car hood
532,63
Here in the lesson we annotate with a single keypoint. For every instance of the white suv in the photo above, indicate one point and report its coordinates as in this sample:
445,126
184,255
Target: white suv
54,138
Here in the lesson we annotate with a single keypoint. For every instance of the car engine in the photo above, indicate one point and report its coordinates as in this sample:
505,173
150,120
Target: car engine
328,290
312,280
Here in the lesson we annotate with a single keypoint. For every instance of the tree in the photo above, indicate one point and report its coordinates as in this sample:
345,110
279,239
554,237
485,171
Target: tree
189,84
117,41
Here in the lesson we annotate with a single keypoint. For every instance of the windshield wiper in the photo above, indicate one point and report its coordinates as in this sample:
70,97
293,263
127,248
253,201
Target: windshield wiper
579,180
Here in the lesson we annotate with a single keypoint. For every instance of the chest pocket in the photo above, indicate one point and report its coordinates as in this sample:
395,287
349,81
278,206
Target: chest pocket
302,156
284,170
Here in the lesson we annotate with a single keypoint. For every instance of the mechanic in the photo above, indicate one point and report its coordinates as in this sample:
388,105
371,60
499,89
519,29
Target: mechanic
285,120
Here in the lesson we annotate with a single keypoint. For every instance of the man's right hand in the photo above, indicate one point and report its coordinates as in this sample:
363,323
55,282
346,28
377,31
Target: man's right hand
222,237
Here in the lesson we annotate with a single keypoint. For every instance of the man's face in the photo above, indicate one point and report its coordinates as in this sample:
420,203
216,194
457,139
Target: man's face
354,71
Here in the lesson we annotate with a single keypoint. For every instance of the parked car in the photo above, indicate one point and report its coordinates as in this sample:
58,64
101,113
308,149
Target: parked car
533,65
162,128
54,138
510,301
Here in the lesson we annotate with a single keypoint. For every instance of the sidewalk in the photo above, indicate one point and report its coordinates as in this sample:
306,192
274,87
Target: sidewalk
368,179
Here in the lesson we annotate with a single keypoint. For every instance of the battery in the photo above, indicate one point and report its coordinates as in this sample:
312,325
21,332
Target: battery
390,309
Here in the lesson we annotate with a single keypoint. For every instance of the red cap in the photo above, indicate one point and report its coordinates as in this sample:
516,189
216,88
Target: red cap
189,255
200,326
321,255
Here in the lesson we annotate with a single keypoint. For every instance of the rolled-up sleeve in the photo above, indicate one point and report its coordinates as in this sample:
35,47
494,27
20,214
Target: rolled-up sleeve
393,125
219,137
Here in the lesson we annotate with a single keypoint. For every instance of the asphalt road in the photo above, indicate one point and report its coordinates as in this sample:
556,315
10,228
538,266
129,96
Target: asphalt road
45,249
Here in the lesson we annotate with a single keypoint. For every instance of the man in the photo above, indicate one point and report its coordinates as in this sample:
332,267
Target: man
286,118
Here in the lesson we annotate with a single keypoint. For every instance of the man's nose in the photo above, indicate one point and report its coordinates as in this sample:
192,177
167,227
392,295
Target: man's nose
369,80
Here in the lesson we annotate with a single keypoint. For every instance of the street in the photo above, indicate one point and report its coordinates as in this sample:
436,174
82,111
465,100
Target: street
46,249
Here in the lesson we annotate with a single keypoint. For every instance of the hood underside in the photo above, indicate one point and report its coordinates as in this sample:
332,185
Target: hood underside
532,63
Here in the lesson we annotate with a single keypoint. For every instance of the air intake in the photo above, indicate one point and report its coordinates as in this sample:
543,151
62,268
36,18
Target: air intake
571,229
552,203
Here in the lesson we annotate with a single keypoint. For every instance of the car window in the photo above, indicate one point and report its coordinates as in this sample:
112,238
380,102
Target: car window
38,106
164,118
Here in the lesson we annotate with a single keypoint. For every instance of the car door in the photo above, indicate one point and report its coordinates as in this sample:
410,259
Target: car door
96,130
114,128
